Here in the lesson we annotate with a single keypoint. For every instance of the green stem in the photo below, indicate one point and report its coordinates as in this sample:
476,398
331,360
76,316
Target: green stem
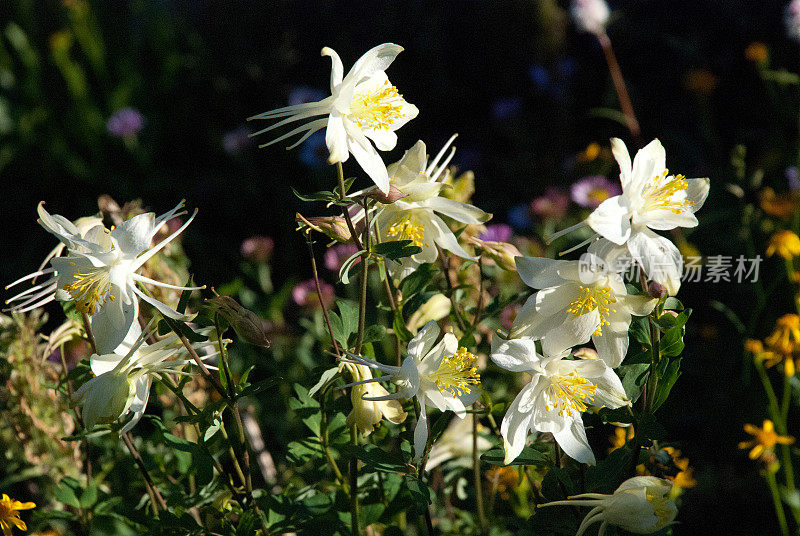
354,484
345,212
476,474
362,299
776,502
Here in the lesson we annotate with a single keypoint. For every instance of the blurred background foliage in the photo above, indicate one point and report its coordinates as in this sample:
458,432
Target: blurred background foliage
715,81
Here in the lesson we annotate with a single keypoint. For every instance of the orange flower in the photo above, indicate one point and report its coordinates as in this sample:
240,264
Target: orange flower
9,514
756,52
781,206
785,338
764,439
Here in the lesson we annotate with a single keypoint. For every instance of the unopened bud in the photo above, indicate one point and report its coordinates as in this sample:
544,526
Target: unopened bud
502,253
437,307
656,290
332,226
250,327
391,196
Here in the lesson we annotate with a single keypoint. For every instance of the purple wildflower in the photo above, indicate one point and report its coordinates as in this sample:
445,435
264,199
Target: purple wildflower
125,122
553,204
499,232
591,191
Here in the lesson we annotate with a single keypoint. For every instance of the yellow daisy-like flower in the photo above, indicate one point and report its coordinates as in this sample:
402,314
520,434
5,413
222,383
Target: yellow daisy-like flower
784,243
9,514
785,338
764,439
621,436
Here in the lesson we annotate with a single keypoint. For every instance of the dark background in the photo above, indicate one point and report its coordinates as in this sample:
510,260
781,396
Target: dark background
514,79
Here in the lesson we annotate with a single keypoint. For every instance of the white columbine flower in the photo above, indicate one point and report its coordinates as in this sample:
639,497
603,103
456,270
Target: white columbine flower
101,276
590,15
579,300
651,199
415,216
363,106
639,505
559,390
440,375
121,385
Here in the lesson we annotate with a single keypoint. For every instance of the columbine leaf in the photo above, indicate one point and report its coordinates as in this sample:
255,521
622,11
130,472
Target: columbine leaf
528,456
396,249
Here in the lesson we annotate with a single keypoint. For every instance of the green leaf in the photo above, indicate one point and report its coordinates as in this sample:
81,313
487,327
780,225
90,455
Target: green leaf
396,249
65,492
185,295
327,377
419,491
349,314
418,280
528,456
671,343
260,387
377,459
673,304
374,333
665,383
323,195
89,496
307,409
634,376
640,330
168,324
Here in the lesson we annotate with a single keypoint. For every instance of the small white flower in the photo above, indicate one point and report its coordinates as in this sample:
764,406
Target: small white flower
579,300
363,106
99,273
651,199
559,391
415,216
590,15
121,385
440,374
639,505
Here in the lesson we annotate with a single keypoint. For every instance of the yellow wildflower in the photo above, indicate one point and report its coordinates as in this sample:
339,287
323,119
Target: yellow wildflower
779,205
764,439
591,152
621,436
785,338
756,52
784,243
9,514
502,480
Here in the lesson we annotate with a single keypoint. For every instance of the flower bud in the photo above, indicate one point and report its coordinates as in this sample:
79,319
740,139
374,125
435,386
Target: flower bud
105,398
334,227
436,308
367,413
250,327
656,290
386,198
502,253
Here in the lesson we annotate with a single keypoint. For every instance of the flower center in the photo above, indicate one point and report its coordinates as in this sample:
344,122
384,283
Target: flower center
90,290
377,109
570,393
408,229
598,195
591,298
660,504
659,192
456,373
5,510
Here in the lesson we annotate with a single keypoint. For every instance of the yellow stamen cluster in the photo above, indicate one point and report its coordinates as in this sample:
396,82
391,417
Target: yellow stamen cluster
90,290
408,229
572,392
377,109
661,506
784,243
764,440
659,192
591,298
456,373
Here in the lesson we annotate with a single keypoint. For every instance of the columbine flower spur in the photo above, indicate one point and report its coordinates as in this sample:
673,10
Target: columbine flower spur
440,374
363,106
651,199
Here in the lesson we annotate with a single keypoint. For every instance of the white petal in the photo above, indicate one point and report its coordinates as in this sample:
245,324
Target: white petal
624,160
446,239
660,259
374,60
367,157
134,235
421,431
650,161
461,212
139,403
697,192
515,426
516,355
409,168
385,140
612,344
337,70
611,219
112,324
572,331
336,138
423,342
573,441
638,305
162,308
540,272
